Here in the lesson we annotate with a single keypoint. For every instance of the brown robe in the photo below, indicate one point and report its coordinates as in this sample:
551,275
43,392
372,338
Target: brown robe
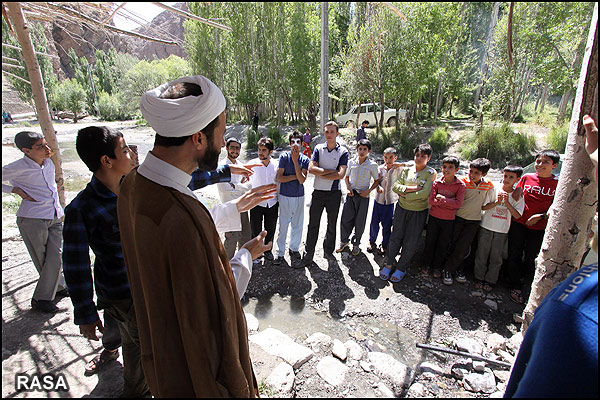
193,335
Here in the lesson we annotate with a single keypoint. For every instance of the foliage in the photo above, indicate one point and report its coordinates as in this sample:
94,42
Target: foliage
439,140
252,139
557,138
110,107
69,95
274,133
499,144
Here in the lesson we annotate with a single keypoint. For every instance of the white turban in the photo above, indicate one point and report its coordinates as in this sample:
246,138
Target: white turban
184,116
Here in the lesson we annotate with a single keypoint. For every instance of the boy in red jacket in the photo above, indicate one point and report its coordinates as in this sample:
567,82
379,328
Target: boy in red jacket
527,233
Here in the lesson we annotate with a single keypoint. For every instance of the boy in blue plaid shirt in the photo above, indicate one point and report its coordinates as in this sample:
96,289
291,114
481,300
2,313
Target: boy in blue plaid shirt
91,222
358,178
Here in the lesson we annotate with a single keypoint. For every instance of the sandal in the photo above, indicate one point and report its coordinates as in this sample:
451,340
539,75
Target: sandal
516,296
98,362
397,276
384,274
487,287
478,284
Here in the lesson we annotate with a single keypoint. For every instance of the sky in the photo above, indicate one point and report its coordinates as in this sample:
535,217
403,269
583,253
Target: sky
144,10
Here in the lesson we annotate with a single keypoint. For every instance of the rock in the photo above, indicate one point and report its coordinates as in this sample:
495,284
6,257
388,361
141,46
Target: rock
469,345
365,366
355,351
376,347
282,378
514,343
507,356
430,367
459,370
491,304
339,350
251,322
497,395
318,338
332,370
375,330
502,376
478,366
476,382
417,390
276,343
476,294
387,367
495,342
385,391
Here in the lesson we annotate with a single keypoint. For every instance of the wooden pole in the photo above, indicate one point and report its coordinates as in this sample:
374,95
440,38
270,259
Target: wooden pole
37,89
576,196
324,64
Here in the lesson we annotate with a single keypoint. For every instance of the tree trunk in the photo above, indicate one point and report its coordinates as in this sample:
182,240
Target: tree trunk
544,97
562,108
539,96
576,198
437,100
483,68
38,92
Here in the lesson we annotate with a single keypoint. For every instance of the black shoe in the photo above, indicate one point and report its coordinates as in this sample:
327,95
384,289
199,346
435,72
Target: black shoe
44,306
371,248
269,256
307,259
329,256
63,293
278,261
294,255
460,276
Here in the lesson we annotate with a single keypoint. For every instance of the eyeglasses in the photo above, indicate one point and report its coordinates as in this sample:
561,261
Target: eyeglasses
296,142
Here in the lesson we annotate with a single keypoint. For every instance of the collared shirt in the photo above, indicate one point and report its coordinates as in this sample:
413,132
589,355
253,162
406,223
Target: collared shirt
225,216
360,134
454,195
361,174
91,222
388,177
292,188
201,179
329,159
476,196
409,176
37,181
234,188
264,175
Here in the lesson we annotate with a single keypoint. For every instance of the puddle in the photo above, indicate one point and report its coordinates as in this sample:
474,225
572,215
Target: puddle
298,320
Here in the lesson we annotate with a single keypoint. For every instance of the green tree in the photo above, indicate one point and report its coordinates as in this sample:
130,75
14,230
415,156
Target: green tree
69,95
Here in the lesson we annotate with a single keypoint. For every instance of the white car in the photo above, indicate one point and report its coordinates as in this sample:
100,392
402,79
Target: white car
366,114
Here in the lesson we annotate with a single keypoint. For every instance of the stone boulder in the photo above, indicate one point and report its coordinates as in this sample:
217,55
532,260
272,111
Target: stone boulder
332,370
387,367
276,343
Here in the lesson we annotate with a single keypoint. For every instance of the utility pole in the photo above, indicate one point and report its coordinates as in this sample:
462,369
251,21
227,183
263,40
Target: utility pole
324,64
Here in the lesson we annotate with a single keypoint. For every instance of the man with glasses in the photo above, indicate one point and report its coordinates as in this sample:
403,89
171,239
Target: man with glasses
291,175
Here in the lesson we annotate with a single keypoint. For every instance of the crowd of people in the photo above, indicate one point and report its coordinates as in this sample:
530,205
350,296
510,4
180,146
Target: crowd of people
171,289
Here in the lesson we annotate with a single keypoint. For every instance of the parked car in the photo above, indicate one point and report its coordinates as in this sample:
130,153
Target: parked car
366,114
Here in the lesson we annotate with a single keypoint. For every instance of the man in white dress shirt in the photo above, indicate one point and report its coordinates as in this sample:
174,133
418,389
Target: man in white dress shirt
39,215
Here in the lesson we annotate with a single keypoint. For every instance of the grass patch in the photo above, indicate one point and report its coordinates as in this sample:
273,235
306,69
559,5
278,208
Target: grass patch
557,138
252,139
439,140
404,140
265,390
76,183
275,135
10,203
499,144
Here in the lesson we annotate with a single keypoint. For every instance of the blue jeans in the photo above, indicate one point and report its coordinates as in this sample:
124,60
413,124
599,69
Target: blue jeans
383,214
291,211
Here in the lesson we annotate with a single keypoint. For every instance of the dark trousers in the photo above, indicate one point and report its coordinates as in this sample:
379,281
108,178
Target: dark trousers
464,233
406,232
354,217
111,338
437,242
269,216
322,200
122,311
523,247
384,215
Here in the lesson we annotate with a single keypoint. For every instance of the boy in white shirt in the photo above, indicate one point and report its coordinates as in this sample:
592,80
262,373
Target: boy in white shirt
39,216
495,224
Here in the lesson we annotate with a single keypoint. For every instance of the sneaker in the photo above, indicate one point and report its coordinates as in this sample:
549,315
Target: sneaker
343,247
278,261
460,276
447,278
355,250
381,250
371,248
62,293
269,256
307,259
44,306
437,273
294,255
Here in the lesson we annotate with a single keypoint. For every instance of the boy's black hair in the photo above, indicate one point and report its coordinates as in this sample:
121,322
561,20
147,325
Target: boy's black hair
515,169
365,122
232,140
295,135
451,160
364,142
552,154
482,164
424,148
26,139
332,123
390,150
266,142
94,142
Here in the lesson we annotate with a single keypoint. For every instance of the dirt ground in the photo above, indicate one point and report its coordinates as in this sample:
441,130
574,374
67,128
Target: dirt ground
346,290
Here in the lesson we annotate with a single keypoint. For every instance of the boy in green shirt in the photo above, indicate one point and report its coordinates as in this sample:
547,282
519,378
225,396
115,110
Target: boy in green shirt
413,187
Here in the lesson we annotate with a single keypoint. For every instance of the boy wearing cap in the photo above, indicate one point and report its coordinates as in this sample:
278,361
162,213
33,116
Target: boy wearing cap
39,215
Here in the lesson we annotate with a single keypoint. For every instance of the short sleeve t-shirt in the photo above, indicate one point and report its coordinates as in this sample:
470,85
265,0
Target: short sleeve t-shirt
539,195
293,188
498,219
329,159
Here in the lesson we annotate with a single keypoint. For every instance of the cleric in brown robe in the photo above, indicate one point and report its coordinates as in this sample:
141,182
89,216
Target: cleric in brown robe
193,334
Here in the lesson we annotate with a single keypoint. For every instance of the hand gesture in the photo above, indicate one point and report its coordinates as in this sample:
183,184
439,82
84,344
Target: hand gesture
534,219
350,193
255,196
244,170
23,194
89,331
257,246
379,189
363,193
295,153
440,197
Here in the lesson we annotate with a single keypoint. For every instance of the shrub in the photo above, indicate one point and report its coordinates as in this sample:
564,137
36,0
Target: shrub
499,144
69,95
380,142
252,136
274,133
557,138
439,140
110,107
405,141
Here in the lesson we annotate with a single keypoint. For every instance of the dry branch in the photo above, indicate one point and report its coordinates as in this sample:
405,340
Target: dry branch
194,17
